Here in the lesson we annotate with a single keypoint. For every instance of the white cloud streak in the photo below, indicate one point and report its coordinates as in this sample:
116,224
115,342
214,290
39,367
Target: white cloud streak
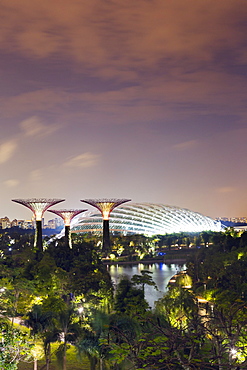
34,126
186,145
11,183
7,150
84,160
225,189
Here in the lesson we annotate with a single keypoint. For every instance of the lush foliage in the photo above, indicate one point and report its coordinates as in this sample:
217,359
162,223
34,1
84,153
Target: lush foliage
47,292
65,296
14,346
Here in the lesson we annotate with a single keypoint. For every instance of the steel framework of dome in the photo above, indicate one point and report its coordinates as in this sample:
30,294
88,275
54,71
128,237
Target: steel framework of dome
149,219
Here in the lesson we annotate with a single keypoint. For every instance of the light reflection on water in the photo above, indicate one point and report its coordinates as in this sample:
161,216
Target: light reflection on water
161,274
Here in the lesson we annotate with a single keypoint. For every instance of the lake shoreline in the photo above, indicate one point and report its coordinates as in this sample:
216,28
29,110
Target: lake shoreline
161,273
176,261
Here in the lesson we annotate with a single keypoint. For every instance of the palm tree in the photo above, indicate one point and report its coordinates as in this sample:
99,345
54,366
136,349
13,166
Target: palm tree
106,333
69,330
123,340
89,346
48,338
41,324
93,343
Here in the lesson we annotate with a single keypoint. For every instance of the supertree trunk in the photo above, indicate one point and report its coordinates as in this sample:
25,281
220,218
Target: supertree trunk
38,243
106,238
67,236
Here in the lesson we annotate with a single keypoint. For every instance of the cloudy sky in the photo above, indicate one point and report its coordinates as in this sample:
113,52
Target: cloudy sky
141,99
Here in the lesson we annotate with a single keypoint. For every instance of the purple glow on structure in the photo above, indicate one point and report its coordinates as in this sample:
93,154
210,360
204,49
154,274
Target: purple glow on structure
105,206
67,214
38,205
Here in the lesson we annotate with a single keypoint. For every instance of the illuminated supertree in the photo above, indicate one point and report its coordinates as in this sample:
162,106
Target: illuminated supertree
105,206
38,207
67,215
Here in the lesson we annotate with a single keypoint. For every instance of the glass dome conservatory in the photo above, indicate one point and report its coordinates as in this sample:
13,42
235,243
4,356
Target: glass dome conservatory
148,219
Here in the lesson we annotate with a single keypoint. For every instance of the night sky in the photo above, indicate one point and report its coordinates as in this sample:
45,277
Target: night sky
141,99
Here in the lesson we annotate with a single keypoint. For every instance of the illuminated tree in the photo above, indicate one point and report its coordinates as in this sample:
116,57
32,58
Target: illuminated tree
38,207
67,215
105,206
14,347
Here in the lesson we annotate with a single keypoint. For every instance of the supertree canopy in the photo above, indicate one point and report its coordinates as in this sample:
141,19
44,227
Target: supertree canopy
38,206
105,206
67,215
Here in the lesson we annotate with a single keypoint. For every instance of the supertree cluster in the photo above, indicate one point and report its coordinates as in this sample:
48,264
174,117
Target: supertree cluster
39,205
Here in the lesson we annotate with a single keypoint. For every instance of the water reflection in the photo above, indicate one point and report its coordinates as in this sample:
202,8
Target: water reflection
161,274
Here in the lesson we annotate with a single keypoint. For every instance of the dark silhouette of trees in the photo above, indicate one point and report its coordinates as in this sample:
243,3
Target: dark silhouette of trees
144,279
129,300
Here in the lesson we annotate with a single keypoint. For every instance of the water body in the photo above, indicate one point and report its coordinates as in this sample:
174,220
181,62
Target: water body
161,274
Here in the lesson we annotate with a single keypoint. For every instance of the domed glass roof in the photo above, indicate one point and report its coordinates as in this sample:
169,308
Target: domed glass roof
148,219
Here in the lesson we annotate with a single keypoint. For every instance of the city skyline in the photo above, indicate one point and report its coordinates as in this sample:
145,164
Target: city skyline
143,100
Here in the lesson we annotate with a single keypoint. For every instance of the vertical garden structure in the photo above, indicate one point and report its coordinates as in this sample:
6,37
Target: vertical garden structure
67,215
105,206
38,207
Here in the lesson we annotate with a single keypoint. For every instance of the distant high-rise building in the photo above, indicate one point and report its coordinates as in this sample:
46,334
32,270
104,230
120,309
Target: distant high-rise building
5,222
51,224
14,223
